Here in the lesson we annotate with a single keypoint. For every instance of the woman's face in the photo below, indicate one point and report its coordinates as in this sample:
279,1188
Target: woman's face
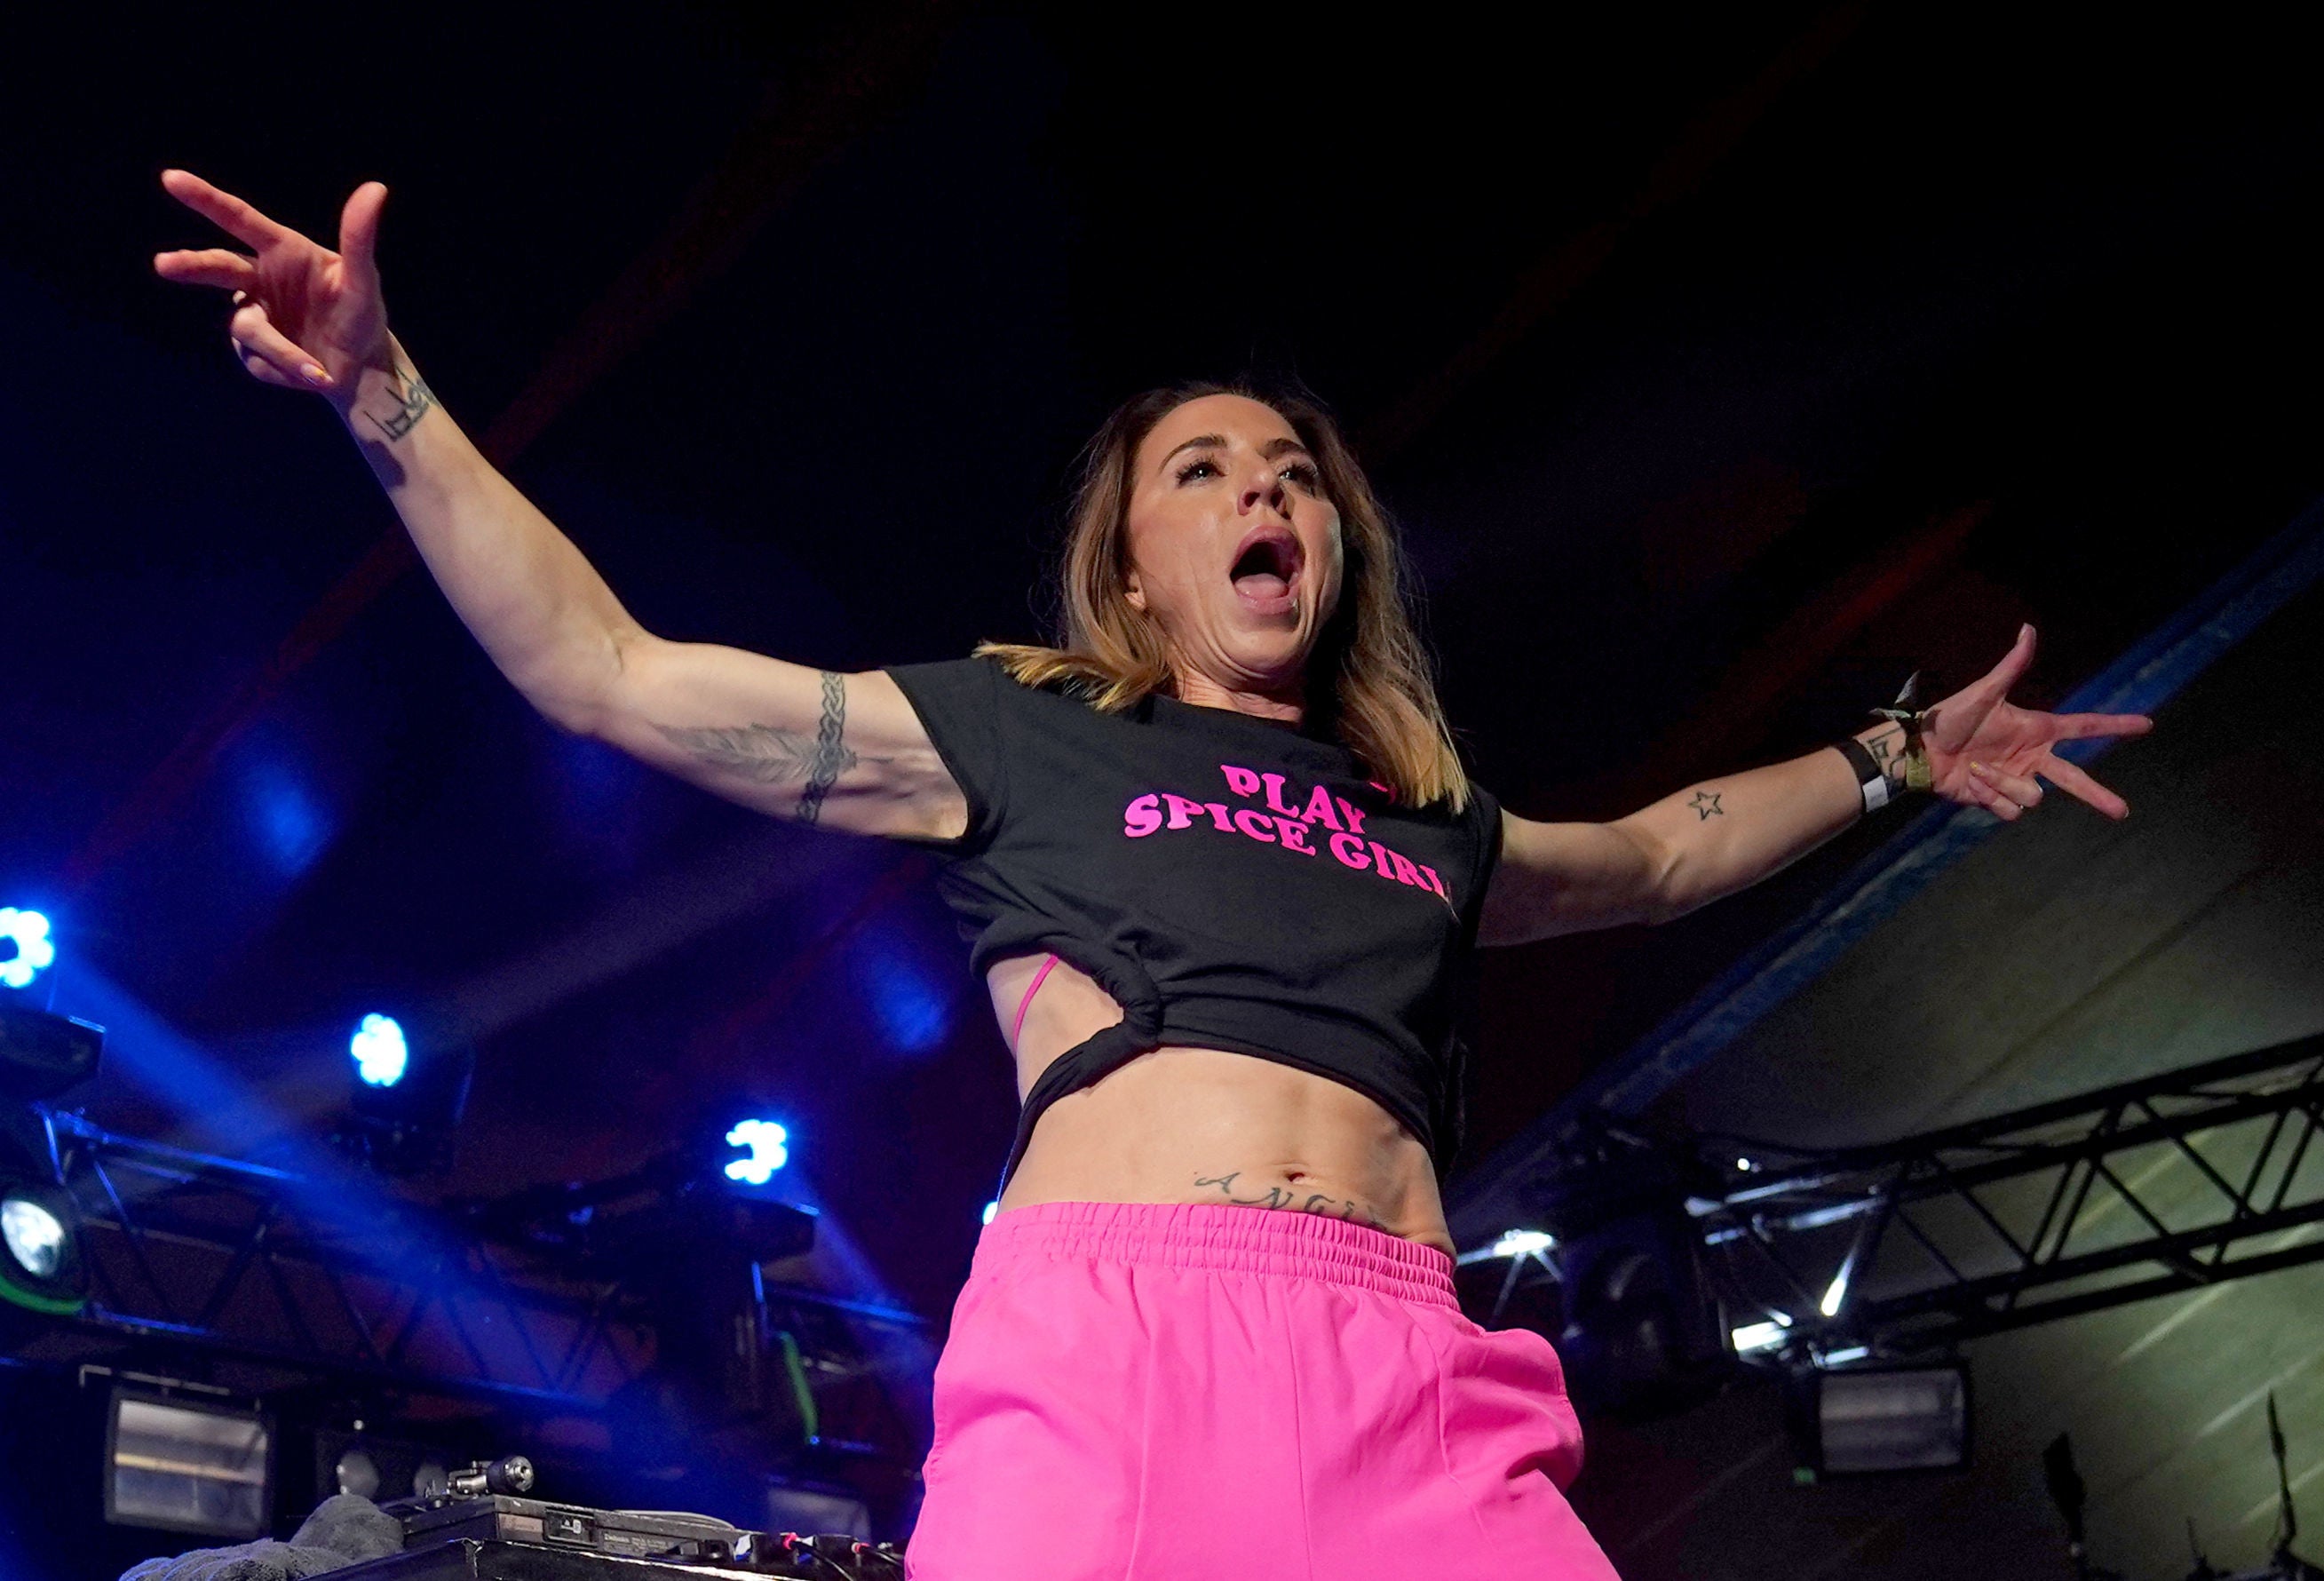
1234,549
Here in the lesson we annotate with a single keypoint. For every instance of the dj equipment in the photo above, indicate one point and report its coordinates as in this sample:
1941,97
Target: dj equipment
494,1559
482,1528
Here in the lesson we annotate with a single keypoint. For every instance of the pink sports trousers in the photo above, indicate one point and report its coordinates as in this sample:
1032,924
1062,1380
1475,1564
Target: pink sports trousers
1144,1392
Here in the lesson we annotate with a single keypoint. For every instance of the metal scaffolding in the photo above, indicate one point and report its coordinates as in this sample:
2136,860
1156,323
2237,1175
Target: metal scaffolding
279,1278
294,1278
2179,1180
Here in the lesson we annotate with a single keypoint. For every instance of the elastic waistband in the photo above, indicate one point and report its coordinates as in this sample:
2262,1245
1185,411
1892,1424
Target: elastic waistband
1224,1239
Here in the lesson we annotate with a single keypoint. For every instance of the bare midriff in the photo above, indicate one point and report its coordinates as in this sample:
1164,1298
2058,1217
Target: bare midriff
1204,1125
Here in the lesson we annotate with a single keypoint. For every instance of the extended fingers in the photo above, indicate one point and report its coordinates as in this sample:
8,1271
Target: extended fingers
2075,726
258,341
359,235
216,266
245,223
2014,663
2069,778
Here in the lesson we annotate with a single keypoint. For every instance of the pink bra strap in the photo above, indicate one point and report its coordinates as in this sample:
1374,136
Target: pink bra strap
1026,1004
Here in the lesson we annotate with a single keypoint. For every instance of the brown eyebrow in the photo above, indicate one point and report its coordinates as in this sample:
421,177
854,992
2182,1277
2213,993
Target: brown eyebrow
1270,451
1198,441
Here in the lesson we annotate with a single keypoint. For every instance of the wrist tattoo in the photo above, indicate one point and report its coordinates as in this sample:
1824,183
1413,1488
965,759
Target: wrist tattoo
1345,1208
1883,748
769,755
1706,805
412,399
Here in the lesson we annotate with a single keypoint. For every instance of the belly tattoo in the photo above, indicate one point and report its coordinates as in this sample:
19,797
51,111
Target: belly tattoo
1315,1202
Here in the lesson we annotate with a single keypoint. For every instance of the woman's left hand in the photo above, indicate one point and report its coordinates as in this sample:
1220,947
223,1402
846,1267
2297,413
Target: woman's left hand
1985,751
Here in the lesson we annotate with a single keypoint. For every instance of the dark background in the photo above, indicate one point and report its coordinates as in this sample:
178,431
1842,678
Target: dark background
1722,367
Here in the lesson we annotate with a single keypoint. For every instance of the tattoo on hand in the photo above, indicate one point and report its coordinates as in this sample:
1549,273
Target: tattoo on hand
769,755
412,399
1706,805
1346,1209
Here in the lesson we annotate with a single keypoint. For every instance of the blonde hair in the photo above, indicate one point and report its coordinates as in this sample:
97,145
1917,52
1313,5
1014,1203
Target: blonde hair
1369,684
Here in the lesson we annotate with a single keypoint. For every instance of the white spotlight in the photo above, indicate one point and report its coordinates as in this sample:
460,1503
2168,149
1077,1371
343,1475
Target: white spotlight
770,1152
33,1236
1519,1242
25,947
380,1053
1759,1337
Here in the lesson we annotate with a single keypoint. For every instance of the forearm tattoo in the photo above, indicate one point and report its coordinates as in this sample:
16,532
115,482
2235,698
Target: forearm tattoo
1315,1202
769,755
1706,805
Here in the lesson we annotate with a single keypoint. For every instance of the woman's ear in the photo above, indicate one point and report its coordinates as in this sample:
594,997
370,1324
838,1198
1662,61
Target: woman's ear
1132,593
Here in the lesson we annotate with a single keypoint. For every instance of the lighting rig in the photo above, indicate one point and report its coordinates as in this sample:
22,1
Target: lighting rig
225,1314
237,1307
1662,1267
405,1101
640,1303
42,1265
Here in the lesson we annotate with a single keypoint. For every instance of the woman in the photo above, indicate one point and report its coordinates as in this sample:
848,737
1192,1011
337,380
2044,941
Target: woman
1216,857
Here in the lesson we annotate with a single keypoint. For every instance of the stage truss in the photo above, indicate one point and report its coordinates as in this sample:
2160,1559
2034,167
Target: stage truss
2172,1183
271,1280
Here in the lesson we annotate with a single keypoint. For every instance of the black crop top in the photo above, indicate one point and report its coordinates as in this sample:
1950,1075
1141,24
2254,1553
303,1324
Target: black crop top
1233,884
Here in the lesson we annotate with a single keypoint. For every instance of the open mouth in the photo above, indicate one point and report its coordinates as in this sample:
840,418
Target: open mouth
1265,567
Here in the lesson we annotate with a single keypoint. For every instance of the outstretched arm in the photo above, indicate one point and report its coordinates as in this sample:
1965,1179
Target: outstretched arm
843,749
1724,835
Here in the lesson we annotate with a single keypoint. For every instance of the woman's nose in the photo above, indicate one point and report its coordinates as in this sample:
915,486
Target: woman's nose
1263,487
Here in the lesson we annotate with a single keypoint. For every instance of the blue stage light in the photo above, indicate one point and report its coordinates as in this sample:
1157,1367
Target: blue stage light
408,1096
992,1211
770,1152
912,1005
769,1149
25,945
290,825
381,1054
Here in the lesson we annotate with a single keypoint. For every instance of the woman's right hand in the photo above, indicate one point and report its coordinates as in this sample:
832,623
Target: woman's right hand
304,317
